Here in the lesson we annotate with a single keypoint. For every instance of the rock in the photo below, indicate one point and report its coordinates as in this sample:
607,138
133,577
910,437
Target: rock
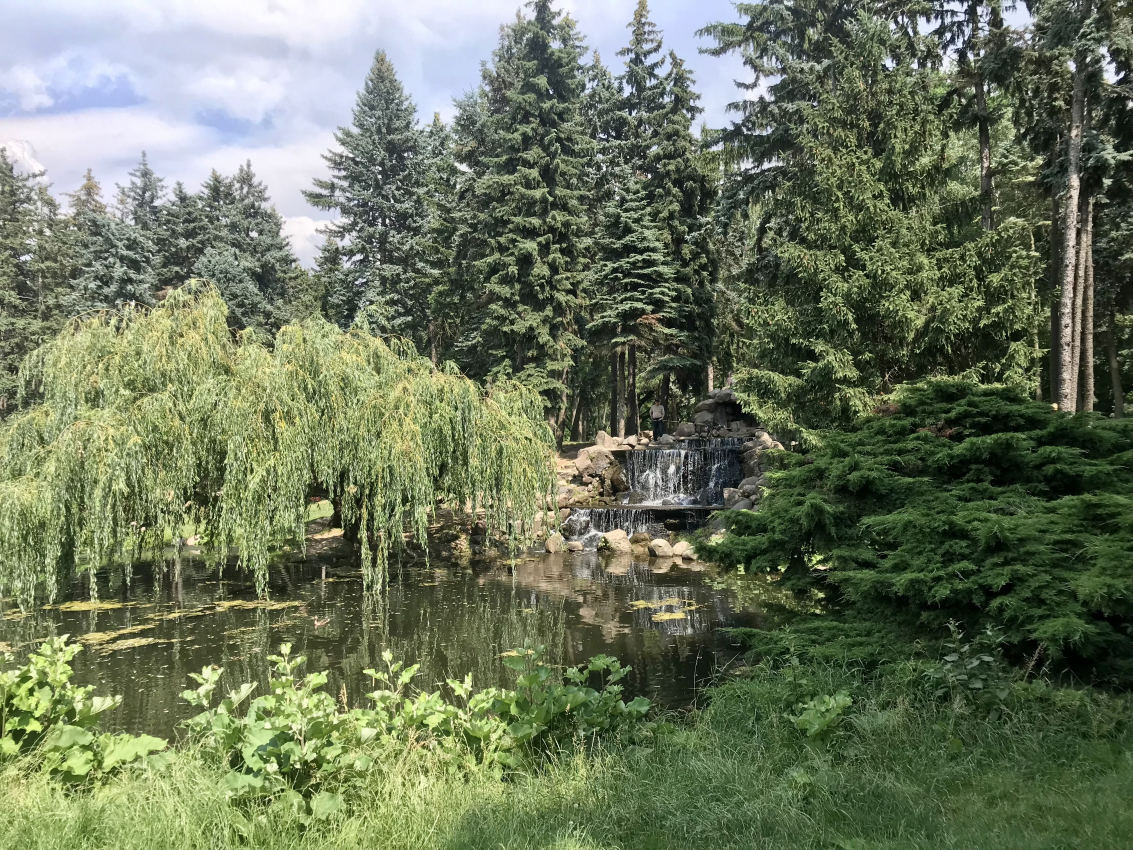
584,466
713,393
726,394
615,542
703,418
731,496
660,548
563,500
195,539
631,440
666,440
689,554
708,404
680,547
751,492
685,429
642,442
775,444
743,505
587,479
574,546
564,514
599,457
554,544
641,538
645,435
750,481
614,476
763,440
603,440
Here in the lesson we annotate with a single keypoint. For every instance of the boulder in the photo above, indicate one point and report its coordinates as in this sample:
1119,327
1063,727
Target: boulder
726,394
750,481
775,444
660,548
731,496
667,440
603,440
574,546
584,466
615,542
743,505
614,476
689,554
554,544
630,441
599,457
564,514
645,435
708,404
763,440
750,492
641,538
680,547
685,429
703,418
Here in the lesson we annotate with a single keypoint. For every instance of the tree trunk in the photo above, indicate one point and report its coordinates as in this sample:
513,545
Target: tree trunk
1067,389
621,371
1114,367
633,414
576,415
709,377
615,392
1087,356
1079,292
1055,270
987,187
664,392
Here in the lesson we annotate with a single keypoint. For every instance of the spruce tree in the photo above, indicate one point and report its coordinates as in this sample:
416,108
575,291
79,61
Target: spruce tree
139,200
533,218
183,234
223,269
115,265
334,283
440,192
375,186
88,197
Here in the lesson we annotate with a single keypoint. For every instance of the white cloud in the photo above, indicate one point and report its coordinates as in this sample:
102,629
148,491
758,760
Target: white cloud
303,231
21,154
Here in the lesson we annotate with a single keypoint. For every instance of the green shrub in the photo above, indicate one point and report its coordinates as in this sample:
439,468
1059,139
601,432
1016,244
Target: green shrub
965,503
44,716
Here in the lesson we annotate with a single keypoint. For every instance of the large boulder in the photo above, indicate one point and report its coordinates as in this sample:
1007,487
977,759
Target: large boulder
615,478
680,547
685,429
640,538
660,548
731,496
708,404
703,418
615,542
666,440
574,546
554,544
603,440
596,459
630,441
763,440
743,505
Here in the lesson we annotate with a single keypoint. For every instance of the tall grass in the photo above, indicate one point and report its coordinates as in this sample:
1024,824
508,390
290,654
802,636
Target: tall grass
902,771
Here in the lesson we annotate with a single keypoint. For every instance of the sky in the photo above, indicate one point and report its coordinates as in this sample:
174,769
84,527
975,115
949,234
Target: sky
204,84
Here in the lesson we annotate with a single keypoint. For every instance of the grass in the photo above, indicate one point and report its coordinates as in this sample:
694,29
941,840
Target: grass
901,771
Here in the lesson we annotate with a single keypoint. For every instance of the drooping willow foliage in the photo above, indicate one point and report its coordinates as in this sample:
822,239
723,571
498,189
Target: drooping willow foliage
154,419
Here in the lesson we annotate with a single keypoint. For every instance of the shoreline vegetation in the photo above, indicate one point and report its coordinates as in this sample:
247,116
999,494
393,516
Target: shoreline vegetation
798,753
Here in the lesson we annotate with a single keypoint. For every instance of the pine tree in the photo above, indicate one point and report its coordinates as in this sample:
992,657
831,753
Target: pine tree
871,267
439,268
223,269
115,265
88,197
138,200
182,236
533,216
375,186
34,262
334,283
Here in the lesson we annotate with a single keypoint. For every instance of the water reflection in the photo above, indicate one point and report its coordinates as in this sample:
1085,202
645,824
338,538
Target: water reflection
144,638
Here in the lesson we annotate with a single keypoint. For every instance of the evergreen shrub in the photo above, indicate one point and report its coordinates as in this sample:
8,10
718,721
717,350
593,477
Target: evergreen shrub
965,503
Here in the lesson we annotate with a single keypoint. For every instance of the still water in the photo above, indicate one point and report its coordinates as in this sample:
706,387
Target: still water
142,639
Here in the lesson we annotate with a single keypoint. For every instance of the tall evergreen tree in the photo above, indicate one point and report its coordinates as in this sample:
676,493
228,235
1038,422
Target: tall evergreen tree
115,265
138,200
33,271
440,192
183,234
872,267
533,215
88,197
375,186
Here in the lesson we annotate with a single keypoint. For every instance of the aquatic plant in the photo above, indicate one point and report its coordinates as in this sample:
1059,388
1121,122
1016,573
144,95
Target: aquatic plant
153,420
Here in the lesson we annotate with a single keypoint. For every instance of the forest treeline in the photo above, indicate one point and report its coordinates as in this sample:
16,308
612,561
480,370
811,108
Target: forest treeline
906,190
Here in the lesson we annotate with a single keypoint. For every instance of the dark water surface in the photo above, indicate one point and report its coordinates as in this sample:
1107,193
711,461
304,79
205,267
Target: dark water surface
143,639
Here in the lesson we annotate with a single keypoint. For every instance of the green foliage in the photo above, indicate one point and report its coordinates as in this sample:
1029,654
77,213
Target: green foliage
297,745
819,716
152,420
966,503
44,716
973,670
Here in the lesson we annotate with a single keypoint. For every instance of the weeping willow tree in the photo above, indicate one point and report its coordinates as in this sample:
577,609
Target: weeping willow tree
151,420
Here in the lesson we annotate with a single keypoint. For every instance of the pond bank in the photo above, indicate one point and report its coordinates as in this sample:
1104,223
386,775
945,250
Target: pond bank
901,771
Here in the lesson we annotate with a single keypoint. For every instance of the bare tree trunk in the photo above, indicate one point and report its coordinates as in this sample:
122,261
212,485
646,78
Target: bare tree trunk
1055,337
1114,367
709,377
621,432
615,392
633,414
576,414
987,186
1067,389
1087,250
1079,292
663,394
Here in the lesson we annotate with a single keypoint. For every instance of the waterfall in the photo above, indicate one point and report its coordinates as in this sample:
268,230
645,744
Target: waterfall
694,474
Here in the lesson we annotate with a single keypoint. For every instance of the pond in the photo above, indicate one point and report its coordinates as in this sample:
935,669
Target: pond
142,639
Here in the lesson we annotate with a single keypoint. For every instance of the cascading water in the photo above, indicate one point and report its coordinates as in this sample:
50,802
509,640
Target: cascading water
696,473
669,488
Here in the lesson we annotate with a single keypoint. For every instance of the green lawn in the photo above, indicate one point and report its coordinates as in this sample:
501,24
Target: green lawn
901,771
